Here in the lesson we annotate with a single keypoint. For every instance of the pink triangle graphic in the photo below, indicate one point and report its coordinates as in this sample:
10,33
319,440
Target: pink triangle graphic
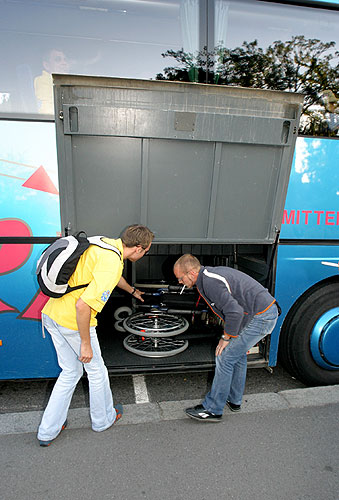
6,307
41,181
33,309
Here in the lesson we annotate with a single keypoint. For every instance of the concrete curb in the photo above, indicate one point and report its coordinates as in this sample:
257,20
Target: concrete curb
26,422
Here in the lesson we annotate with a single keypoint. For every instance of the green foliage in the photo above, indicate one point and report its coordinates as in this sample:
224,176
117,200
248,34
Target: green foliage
308,66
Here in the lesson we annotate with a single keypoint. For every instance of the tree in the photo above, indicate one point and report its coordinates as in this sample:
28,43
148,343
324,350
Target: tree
298,65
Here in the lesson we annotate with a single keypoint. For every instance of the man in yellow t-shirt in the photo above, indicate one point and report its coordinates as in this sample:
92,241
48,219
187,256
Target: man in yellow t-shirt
71,322
54,61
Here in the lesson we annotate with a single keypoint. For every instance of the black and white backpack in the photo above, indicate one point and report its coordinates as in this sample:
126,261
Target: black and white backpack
59,260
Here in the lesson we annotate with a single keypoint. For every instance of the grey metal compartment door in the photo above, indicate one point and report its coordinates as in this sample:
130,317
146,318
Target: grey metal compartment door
196,163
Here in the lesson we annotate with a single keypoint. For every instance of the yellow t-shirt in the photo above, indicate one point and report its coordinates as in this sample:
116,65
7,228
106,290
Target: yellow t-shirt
43,86
99,267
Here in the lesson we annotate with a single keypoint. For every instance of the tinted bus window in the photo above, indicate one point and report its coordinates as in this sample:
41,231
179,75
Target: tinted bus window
245,20
96,37
29,191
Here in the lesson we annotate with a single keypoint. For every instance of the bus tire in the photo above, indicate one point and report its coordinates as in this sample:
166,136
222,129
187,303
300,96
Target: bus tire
300,351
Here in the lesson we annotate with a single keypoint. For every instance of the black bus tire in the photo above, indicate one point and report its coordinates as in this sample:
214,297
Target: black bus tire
294,349
284,352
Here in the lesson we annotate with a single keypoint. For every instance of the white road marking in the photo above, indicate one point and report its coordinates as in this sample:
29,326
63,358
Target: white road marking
140,389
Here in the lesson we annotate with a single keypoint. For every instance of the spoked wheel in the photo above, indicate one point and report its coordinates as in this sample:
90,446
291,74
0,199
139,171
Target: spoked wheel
155,324
152,334
154,347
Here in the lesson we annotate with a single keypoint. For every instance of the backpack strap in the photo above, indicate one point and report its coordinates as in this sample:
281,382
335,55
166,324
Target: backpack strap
95,240
98,240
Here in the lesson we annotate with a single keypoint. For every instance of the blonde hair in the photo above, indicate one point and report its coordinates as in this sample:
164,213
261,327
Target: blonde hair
188,262
135,235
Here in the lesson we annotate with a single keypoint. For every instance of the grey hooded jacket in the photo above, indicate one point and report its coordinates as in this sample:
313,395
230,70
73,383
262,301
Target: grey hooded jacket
233,295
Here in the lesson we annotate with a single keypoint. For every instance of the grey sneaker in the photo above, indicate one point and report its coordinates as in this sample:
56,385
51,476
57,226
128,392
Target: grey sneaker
48,443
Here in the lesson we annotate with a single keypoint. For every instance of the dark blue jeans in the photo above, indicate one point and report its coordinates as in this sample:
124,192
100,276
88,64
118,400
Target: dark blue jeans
231,365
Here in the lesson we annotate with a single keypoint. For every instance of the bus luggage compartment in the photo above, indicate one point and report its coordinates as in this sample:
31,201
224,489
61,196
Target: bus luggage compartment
192,345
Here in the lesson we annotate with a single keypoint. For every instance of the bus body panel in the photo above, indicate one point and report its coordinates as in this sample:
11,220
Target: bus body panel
308,254
312,208
299,268
29,210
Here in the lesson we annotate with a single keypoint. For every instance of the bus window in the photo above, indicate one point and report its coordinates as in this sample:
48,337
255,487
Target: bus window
104,38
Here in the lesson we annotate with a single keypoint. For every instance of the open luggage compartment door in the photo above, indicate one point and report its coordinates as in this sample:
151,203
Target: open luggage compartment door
196,163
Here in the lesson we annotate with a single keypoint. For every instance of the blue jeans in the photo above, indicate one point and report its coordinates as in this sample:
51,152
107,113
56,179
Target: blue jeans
67,345
231,365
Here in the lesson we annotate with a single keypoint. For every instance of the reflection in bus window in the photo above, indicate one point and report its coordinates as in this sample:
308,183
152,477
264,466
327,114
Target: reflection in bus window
96,37
128,39
54,61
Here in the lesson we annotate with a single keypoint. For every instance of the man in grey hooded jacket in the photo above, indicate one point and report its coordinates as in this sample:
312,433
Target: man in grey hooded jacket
249,313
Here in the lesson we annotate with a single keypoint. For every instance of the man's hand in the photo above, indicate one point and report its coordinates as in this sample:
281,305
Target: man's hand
137,294
83,315
221,346
134,292
86,353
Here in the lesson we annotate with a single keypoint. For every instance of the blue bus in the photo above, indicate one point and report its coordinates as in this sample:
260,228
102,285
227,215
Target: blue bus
307,265
126,39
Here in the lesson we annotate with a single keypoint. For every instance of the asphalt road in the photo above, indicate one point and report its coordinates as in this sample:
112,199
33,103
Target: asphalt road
282,454
28,395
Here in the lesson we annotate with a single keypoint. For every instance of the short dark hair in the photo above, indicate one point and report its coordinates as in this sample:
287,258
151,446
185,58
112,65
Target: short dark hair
135,235
188,262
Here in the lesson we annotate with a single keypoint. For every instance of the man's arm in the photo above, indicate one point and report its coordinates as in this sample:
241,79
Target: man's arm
83,315
232,312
